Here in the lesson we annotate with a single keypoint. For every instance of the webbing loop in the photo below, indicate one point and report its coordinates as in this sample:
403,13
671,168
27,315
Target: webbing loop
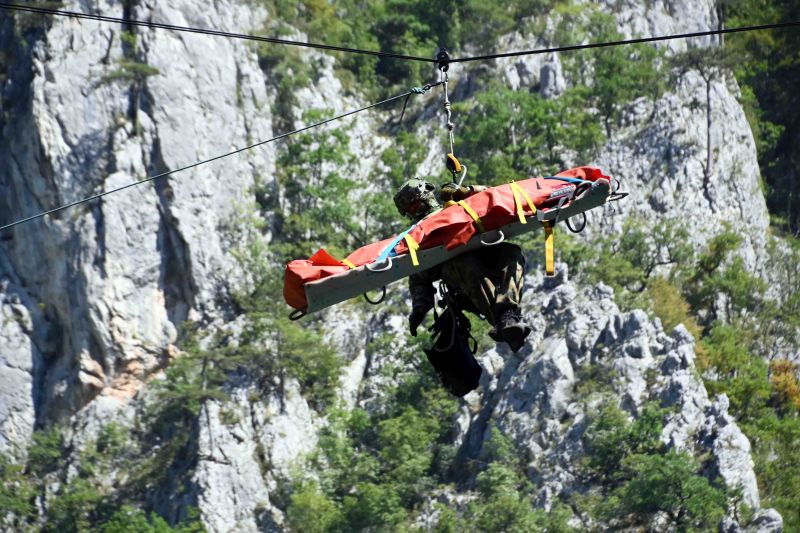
549,259
413,246
518,192
473,214
349,264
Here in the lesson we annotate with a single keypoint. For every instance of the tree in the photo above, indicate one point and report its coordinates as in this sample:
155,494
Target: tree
767,71
513,134
134,71
710,64
670,484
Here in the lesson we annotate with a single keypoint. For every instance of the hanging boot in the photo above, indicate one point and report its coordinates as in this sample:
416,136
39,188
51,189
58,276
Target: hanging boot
511,328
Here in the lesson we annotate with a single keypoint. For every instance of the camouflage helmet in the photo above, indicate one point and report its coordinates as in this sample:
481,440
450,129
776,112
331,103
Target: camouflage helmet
417,199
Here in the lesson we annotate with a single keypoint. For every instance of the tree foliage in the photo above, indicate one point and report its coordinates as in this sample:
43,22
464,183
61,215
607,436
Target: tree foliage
511,135
768,67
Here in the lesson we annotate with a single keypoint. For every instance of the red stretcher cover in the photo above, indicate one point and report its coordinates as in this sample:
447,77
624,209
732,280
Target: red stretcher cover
450,227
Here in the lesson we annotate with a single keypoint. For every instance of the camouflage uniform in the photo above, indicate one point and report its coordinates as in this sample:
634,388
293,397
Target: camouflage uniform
487,282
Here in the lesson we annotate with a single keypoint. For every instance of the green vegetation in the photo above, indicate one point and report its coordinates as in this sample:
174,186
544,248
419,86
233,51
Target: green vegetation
377,471
411,27
82,502
768,67
513,134
640,479
727,309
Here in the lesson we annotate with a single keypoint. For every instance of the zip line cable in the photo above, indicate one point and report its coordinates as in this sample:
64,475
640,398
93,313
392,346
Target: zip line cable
415,90
218,33
629,41
205,31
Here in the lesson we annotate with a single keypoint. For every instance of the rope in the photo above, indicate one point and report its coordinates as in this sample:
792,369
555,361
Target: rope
629,41
206,31
203,162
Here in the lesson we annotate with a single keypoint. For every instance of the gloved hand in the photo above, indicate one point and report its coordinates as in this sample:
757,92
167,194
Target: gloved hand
415,319
453,191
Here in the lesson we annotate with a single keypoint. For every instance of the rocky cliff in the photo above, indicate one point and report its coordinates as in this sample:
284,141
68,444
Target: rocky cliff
92,298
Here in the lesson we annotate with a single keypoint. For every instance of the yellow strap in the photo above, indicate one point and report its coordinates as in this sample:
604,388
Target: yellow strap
412,249
473,214
519,191
549,262
349,264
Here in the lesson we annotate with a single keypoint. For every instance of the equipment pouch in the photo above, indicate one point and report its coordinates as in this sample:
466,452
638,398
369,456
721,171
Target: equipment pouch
451,355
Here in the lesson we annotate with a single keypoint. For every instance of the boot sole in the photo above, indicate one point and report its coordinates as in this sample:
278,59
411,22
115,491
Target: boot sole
515,336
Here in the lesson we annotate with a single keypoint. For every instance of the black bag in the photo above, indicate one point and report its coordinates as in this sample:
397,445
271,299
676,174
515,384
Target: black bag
451,355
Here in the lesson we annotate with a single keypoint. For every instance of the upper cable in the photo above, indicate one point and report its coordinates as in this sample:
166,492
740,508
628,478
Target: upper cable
206,31
628,41
392,55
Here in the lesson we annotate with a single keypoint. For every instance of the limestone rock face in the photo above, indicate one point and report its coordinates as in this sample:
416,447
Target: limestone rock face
117,276
532,396
17,371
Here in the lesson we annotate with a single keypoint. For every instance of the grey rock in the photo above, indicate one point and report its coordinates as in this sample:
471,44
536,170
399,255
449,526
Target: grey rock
766,521
551,78
731,451
17,356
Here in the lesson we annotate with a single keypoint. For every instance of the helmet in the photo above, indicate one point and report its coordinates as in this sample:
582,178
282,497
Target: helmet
417,199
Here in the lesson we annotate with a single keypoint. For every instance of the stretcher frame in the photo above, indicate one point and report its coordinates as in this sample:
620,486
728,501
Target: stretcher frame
352,283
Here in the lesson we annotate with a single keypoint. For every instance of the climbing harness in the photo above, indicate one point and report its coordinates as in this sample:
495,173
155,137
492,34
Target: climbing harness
451,355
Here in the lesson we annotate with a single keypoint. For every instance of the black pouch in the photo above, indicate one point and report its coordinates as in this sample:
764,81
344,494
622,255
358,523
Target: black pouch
451,355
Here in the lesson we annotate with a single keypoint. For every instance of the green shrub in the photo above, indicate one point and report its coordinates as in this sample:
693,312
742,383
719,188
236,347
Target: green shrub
310,511
670,484
610,438
44,453
730,368
511,135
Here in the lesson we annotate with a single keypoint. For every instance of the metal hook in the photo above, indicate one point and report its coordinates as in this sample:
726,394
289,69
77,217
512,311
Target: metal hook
297,314
379,300
372,268
500,239
463,174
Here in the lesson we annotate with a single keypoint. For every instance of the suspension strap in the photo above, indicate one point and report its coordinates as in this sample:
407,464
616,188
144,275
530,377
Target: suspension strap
473,214
520,194
549,260
349,264
413,246
453,165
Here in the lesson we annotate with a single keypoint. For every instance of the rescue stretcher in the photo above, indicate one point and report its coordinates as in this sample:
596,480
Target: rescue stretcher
486,218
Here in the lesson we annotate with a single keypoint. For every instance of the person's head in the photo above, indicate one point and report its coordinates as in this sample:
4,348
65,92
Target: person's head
417,199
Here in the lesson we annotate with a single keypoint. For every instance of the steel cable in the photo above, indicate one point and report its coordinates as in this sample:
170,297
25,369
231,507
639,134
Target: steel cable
206,31
203,162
